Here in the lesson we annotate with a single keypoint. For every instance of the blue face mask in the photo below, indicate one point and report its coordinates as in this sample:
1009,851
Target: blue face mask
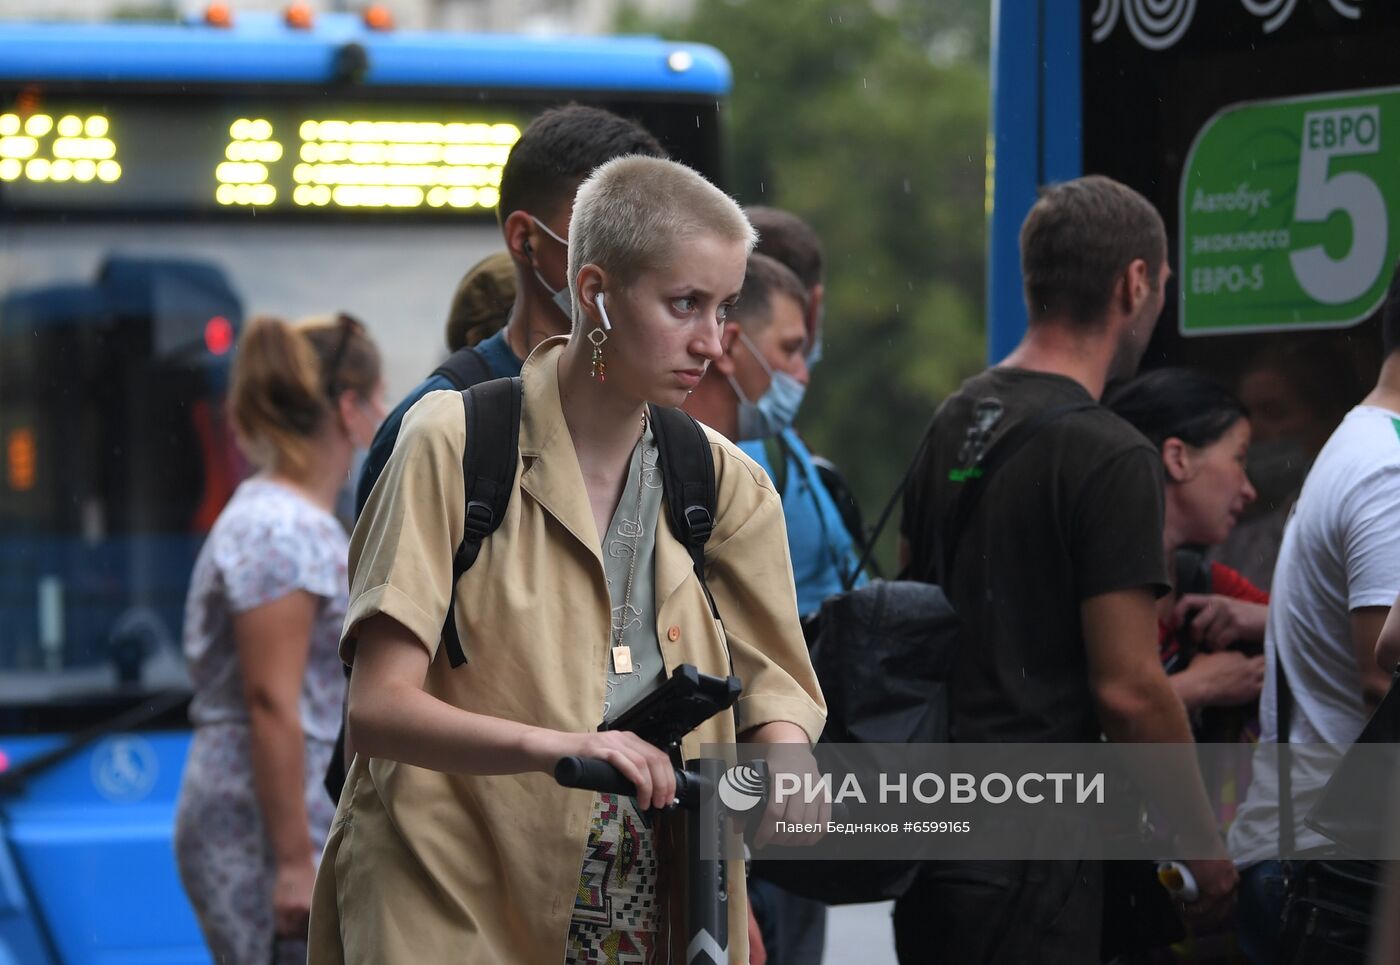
776,409
561,298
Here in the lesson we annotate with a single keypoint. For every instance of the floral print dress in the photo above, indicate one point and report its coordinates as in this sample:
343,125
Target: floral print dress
268,542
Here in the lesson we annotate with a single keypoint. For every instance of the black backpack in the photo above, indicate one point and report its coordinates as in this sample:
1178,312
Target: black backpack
492,413
465,368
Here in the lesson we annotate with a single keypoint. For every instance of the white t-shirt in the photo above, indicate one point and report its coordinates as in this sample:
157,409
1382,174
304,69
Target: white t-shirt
1341,552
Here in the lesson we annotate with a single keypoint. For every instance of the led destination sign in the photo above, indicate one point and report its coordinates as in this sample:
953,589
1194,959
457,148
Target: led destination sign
273,156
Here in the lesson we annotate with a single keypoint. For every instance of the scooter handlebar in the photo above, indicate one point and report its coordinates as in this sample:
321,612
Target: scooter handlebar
591,774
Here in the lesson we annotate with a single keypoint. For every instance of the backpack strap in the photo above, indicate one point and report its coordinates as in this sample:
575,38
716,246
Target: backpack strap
464,368
492,411
688,480
960,511
775,450
1193,573
1283,711
838,487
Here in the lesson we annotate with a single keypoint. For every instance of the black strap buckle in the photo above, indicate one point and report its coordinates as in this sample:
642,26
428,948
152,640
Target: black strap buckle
480,517
699,523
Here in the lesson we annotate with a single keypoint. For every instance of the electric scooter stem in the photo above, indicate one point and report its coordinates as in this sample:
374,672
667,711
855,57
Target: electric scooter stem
707,884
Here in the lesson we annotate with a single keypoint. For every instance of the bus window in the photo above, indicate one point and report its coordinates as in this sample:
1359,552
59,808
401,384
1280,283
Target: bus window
1183,95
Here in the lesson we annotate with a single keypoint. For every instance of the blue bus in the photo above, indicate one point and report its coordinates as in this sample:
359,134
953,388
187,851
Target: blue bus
160,183
1237,119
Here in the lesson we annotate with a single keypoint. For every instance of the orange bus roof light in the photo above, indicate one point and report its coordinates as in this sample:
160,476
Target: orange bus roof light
298,16
218,15
378,17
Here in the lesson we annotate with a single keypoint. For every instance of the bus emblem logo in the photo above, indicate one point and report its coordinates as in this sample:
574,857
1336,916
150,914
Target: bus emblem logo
124,768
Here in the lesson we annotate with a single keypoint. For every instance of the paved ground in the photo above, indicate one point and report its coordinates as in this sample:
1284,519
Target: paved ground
859,933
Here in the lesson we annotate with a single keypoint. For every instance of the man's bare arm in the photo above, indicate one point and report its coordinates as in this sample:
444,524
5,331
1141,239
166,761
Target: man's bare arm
1366,624
1388,643
1137,705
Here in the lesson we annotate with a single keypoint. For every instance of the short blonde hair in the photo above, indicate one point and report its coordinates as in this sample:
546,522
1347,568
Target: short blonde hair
632,210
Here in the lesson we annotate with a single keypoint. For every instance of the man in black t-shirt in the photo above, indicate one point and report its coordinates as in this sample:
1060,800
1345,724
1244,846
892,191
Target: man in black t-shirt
1057,573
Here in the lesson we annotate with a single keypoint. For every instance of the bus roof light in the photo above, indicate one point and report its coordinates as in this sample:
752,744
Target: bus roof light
378,17
680,61
298,16
218,15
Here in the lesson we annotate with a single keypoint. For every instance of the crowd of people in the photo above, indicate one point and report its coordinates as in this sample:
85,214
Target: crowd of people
1115,581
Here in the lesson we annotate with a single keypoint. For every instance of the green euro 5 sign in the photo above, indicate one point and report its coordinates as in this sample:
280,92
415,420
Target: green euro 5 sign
1285,214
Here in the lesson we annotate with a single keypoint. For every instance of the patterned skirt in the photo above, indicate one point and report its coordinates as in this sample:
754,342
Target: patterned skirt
615,917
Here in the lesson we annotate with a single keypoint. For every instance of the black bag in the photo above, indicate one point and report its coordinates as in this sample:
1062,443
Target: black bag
1357,807
492,413
1328,910
1138,913
1329,900
883,654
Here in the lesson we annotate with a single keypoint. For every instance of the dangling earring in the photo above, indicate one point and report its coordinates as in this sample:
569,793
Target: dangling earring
598,336
600,368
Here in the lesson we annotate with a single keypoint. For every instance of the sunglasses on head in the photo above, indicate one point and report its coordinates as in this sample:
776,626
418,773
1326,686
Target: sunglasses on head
349,326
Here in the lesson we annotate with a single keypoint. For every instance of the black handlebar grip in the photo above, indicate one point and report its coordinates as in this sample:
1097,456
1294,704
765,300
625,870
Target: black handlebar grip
591,774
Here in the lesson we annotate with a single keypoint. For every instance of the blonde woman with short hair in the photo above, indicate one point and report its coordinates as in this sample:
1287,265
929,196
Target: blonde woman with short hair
262,623
453,842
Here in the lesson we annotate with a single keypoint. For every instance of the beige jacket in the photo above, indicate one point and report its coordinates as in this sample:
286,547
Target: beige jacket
426,867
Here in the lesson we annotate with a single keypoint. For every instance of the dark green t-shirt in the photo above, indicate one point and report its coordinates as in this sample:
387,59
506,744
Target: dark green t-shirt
1076,512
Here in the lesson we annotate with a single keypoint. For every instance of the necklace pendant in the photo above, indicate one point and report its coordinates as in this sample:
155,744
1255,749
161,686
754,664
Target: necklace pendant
622,659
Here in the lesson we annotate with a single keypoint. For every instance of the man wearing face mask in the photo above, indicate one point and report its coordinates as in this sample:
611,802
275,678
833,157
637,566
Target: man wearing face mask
556,152
792,241
752,394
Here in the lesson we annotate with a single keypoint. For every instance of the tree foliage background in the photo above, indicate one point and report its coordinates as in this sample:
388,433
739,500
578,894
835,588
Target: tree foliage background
869,120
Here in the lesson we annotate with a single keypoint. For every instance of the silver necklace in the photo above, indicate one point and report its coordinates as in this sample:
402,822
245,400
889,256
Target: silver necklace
621,653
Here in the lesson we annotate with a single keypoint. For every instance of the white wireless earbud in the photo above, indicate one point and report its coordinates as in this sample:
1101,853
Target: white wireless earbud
607,323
